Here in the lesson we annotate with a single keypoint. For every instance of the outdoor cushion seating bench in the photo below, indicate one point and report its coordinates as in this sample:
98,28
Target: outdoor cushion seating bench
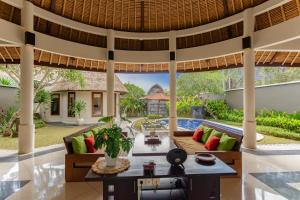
77,165
183,139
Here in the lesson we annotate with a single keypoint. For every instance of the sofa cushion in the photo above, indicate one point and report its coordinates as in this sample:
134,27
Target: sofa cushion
198,134
189,145
78,145
226,143
88,134
207,131
215,133
90,141
212,143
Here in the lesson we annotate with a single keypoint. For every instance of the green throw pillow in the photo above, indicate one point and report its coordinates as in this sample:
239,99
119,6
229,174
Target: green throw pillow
87,134
215,133
207,131
96,130
78,145
226,143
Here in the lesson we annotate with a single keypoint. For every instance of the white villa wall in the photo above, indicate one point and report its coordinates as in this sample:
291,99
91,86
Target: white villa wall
85,96
281,97
8,97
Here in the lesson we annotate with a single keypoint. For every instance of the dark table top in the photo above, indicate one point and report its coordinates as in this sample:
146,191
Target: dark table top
142,149
192,168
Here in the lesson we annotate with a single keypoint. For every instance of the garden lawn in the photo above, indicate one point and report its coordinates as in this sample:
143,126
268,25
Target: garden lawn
45,136
272,135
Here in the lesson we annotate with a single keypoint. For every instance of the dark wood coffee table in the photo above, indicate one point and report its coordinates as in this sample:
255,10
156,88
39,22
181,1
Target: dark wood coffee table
142,149
198,181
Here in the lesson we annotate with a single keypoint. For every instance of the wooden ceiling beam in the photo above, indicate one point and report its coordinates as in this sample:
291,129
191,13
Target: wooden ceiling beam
261,56
285,59
273,58
40,56
265,60
142,16
99,12
3,58
9,55
294,59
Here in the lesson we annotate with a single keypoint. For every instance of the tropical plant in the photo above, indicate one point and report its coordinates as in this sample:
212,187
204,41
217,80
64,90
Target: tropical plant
184,105
112,139
78,108
132,103
5,81
6,116
41,97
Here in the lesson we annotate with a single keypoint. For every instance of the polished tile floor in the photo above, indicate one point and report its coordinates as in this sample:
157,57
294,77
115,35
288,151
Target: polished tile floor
268,175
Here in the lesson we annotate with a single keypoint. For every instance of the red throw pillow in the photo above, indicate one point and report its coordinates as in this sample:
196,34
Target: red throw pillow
198,134
212,143
89,142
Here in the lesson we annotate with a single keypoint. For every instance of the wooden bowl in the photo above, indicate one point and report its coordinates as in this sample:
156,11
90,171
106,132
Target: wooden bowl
205,157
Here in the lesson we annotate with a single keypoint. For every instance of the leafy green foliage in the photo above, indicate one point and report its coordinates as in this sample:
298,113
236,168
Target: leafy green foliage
72,76
219,110
184,105
191,84
79,107
42,96
112,139
131,103
5,81
6,116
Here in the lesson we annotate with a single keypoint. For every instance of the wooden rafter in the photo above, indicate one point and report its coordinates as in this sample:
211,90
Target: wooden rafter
294,59
9,55
3,58
285,59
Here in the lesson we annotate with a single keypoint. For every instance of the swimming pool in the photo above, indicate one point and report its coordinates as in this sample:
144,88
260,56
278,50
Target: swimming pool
186,123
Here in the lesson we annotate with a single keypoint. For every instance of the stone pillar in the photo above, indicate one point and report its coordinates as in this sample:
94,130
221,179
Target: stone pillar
26,127
110,73
249,123
172,84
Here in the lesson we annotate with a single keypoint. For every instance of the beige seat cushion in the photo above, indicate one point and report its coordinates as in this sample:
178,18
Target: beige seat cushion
189,145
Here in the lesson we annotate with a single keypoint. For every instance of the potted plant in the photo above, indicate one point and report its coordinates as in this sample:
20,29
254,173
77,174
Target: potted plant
78,108
112,140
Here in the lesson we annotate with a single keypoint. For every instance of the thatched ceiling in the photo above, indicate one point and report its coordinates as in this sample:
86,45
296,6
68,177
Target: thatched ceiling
263,58
146,15
159,15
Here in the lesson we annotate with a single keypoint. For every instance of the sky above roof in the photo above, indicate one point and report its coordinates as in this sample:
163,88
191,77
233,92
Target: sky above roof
146,81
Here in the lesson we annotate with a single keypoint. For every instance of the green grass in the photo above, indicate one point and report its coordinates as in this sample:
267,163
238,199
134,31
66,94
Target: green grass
45,136
272,135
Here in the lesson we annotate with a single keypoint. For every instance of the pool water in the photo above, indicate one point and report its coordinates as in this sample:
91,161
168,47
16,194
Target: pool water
190,124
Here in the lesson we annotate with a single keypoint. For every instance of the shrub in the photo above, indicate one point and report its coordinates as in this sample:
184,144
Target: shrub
184,105
218,109
281,122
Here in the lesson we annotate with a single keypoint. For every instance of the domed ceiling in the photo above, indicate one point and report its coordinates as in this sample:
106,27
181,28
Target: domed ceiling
146,15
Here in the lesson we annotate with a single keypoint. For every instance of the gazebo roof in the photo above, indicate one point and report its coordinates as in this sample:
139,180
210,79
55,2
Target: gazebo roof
128,17
157,96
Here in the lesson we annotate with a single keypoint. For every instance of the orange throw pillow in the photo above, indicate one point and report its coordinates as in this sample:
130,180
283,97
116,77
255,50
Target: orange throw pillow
198,134
89,142
212,143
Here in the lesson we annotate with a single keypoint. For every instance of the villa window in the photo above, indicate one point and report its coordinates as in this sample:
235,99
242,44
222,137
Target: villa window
55,104
96,104
71,104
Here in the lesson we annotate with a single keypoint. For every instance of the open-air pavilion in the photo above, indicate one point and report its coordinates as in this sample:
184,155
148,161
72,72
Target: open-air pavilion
148,36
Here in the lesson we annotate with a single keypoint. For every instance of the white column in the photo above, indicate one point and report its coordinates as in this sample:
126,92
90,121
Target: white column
26,128
249,124
172,85
110,74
